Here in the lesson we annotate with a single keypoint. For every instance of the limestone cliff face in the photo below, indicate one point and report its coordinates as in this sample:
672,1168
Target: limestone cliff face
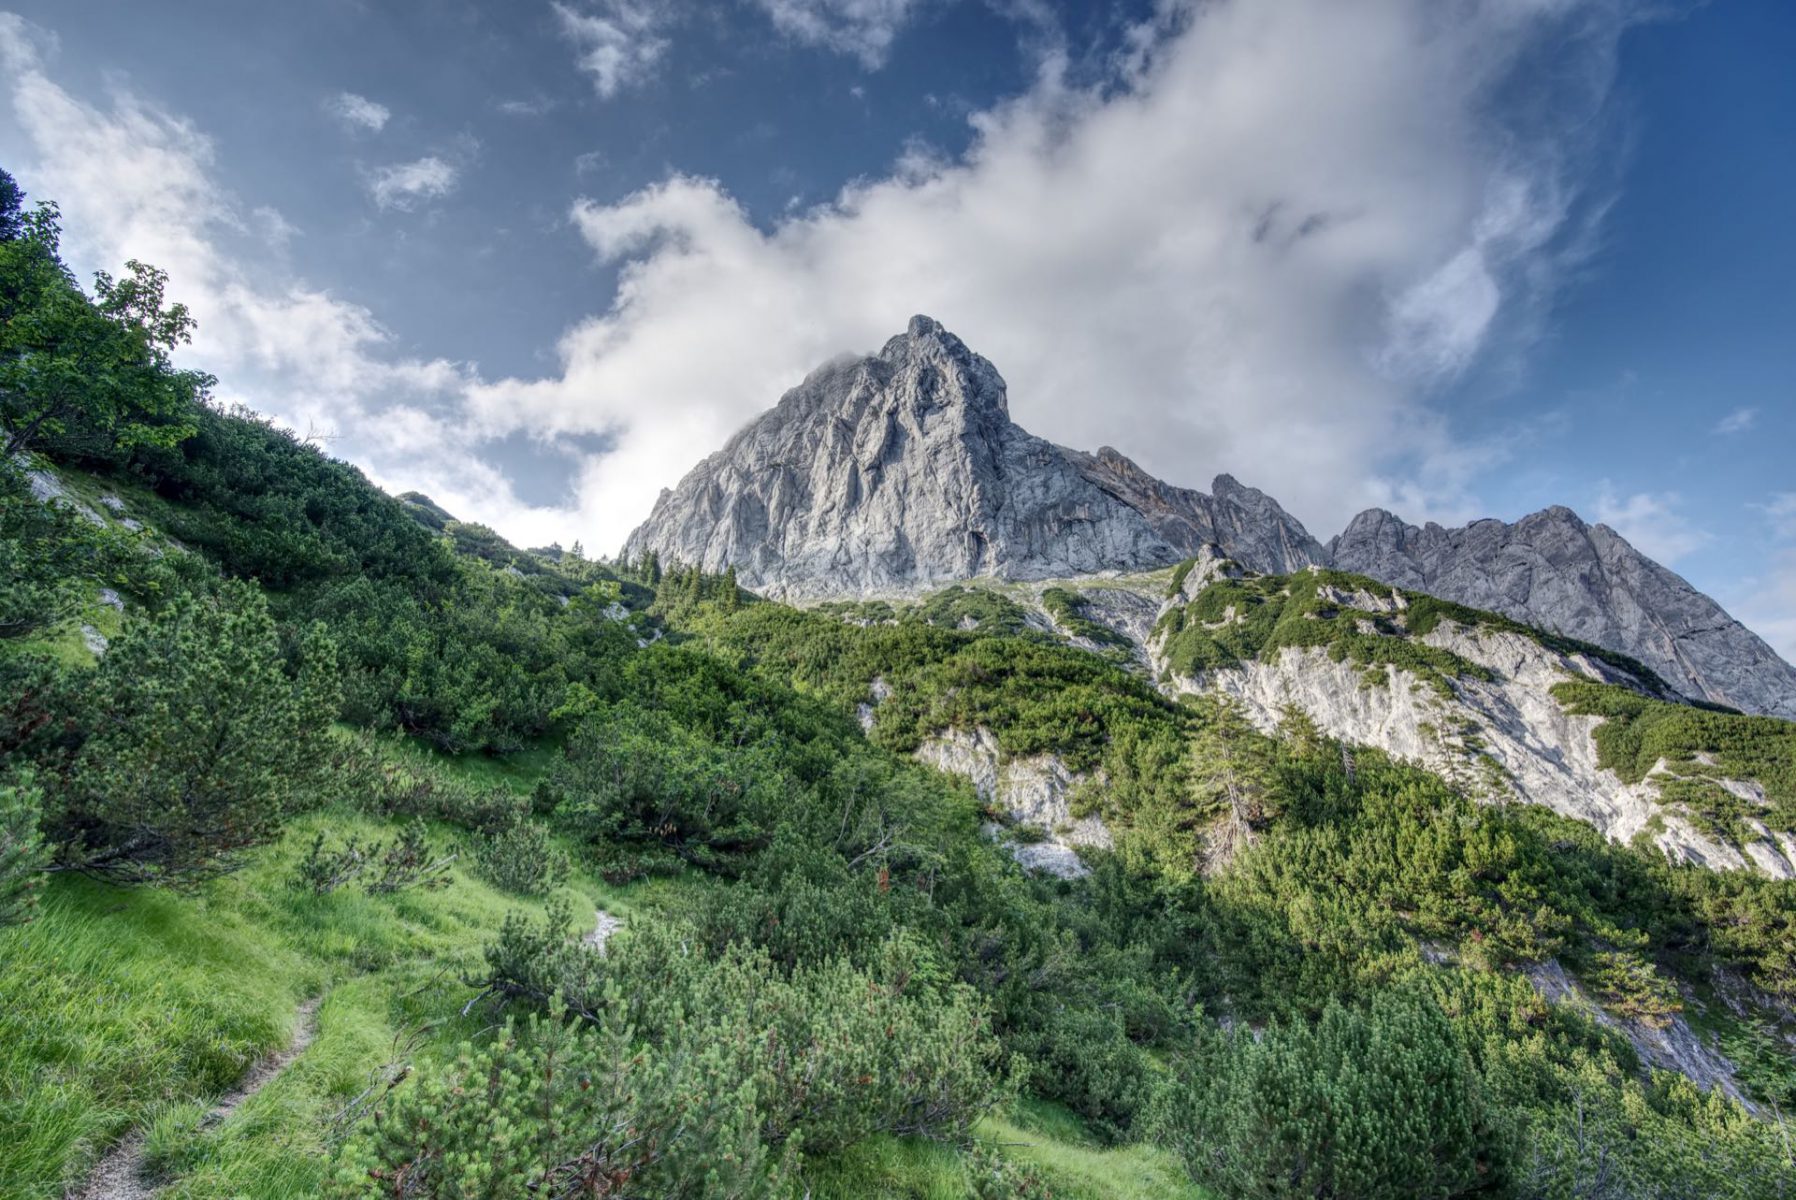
1554,572
902,471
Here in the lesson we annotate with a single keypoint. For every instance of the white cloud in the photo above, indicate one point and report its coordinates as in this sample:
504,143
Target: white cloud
358,112
403,185
1255,248
1651,522
1738,421
620,41
864,29
1257,251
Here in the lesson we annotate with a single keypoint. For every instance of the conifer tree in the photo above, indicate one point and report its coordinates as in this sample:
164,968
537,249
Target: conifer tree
1231,777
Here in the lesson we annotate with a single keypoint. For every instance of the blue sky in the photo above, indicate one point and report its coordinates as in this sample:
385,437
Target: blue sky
537,258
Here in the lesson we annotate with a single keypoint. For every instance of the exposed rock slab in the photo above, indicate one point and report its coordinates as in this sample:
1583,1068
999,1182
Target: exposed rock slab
1034,790
1675,1046
890,474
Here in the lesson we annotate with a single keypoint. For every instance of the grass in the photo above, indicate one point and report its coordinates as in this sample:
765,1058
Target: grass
1051,1144
126,1009
122,1008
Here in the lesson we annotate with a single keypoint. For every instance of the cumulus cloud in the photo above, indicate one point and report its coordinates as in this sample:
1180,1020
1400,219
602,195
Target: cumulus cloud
1651,522
1254,246
620,42
1256,249
863,29
358,112
1738,421
135,181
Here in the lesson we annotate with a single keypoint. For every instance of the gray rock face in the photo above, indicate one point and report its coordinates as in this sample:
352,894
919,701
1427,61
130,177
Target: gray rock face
1553,571
901,471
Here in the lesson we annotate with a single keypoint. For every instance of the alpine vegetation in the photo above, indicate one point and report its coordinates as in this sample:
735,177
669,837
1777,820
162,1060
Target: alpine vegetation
1080,836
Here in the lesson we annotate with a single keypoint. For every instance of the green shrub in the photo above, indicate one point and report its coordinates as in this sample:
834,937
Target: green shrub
835,1054
559,1107
23,855
635,779
1627,984
198,745
1362,1103
408,862
522,859
325,867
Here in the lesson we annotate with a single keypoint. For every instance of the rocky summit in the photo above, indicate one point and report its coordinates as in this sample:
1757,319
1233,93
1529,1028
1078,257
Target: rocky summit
1553,571
901,471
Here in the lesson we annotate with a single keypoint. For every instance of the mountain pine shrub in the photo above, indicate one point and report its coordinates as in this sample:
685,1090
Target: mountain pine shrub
1361,1103
522,859
23,855
197,744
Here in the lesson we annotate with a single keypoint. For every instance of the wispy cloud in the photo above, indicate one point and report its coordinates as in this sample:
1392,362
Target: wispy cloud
1738,421
1652,522
1780,510
358,112
535,107
620,42
864,29
403,186
1767,601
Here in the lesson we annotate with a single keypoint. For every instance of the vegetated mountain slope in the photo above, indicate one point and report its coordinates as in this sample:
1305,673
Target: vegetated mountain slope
902,471
1512,711
1094,982
830,981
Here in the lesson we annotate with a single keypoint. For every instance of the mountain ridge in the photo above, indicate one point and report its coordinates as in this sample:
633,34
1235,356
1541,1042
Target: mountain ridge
895,472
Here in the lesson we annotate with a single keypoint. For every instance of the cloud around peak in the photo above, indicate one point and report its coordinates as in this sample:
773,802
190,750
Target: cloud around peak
1256,245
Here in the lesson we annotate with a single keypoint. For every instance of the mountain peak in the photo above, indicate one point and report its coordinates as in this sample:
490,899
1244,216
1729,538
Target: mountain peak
902,471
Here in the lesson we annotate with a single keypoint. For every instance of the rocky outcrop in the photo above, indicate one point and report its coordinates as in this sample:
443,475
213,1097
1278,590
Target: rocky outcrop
1032,790
894,473
1506,737
1553,571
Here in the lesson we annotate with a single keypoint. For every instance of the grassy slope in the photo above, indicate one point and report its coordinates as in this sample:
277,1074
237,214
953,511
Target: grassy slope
123,1009
126,1007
